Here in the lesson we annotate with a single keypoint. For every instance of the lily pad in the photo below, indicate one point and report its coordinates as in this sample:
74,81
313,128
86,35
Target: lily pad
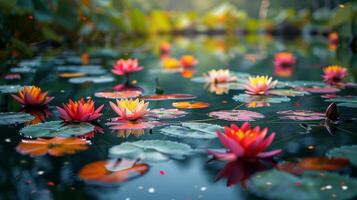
92,79
151,150
56,129
301,84
163,113
346,101
312,185
9,118
246,98
319,90
160,97
5,89
301,115
288,93
236,115
349,152
192,130
84,69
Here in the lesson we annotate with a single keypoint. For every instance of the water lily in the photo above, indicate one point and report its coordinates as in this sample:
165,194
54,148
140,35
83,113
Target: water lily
284,59
32,96
129,109
219,76
259,85
334,74
165,48
244,142
124,67
188,61
333,38
283,64
80,111
170,63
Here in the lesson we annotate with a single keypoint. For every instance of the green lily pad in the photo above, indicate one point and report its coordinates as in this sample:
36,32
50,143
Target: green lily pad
151,150
192,130
300,84
5,89
349,152
311,186
347,101
56,129
246,98
288,93
91,79
84,69
9,118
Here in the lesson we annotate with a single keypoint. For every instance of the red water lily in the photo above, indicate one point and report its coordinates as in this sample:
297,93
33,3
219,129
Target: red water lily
188,61
284,59
124,67
244,142
32,96
79,111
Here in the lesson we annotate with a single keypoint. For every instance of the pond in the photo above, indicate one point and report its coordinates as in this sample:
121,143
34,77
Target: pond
164,156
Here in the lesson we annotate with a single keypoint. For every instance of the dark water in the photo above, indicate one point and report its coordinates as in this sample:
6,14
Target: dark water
48,177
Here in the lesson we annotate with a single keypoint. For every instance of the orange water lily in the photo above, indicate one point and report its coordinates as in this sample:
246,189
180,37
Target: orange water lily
188,61
124,67
334,74
259,85
219,76
244,142
80,111
32,96
129,109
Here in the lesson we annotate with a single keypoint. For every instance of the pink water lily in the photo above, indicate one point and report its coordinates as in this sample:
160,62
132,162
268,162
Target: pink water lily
129,109
124,67
259,85
244,142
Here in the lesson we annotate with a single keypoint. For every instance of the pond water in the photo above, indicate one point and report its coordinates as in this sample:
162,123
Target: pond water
188,175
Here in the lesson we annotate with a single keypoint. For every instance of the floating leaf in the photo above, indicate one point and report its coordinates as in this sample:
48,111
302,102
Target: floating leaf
190,104
192,130
56,129
236,115
160,97
55,147
151,150
107,172
326,89
300,84
349,152
84,69
346,101
163,113
118,95
259,100
5,89
71,75
313,163
10,118
91,79
288,93
274,184
301,115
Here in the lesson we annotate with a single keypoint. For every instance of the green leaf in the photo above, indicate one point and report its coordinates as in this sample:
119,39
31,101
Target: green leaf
349,152
311,186
9,118
151,150
192,130
56,129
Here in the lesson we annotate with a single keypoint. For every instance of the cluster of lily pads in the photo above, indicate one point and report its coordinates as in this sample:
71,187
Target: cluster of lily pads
245,147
